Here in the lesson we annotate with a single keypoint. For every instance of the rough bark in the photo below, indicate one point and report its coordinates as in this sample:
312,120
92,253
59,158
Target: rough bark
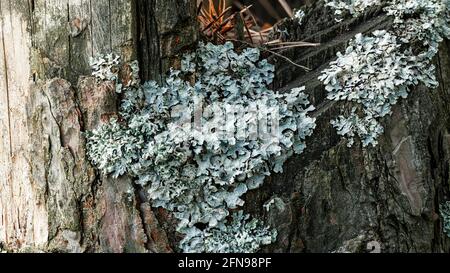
51,198
330,198
335,198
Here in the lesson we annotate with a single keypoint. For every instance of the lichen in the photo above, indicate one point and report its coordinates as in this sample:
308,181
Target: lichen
444,210
242,235
353,7
105,67
377,70
299,16
268,204
197,146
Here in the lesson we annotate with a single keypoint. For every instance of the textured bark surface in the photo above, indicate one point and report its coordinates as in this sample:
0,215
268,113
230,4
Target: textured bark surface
334,198
165,28
330,198
51,199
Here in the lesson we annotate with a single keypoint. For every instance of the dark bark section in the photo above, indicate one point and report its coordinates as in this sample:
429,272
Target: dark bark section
148,40
165,29
335,198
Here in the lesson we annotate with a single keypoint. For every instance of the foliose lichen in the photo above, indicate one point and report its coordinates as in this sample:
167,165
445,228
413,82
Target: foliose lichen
299,16
194,142
242,235
444,210
353,7
377,70
105,67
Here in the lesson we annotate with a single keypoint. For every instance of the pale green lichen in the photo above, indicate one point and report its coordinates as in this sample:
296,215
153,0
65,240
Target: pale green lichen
299,15
352,7
268,204
201,169
377,70
105,67
241,235
444,210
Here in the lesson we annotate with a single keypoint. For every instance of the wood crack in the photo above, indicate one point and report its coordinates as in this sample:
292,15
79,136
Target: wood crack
139,200
5,63
148,41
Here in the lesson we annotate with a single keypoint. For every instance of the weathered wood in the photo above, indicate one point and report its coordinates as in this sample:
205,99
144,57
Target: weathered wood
22,213
80,38
51,198
101,26
67,33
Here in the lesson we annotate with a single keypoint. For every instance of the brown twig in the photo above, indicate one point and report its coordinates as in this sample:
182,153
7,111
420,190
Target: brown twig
294,46
216,19
274,53
288,60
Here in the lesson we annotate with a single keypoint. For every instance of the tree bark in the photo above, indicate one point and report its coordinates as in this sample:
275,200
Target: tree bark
335,198
330,198
51,198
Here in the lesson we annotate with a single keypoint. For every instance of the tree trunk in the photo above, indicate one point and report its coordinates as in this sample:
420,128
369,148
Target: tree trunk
335,198
330,198
51,198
